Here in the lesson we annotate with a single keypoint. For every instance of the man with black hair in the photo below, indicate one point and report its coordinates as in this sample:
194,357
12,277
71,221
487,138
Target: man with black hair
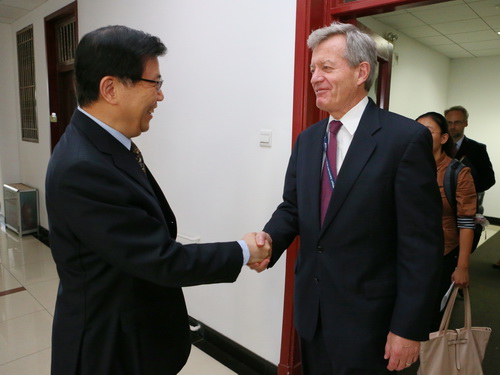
120,308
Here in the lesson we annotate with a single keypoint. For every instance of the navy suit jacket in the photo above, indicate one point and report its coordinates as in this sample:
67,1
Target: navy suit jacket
476,157
373,267
120,307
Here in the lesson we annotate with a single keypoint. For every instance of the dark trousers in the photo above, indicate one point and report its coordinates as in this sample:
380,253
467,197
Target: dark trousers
449,264
316,361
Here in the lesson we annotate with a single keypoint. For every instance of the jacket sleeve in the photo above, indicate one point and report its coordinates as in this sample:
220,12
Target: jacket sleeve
486,175
476,157
283,226
420,239
113,216
466,199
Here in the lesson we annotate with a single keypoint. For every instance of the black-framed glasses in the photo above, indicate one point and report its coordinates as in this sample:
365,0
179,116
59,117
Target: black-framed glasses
157,83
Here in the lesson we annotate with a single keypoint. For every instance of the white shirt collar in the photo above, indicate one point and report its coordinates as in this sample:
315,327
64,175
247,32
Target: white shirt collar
459,142
351,119
115,133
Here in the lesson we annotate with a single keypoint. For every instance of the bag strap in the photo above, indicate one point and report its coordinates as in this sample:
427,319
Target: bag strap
451,181
445,321
467,309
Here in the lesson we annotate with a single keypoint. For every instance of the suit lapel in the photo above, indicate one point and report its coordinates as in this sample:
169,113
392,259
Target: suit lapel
362,147
463,148
107,144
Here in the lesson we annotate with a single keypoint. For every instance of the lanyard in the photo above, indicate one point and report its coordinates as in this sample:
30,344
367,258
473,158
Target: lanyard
328,168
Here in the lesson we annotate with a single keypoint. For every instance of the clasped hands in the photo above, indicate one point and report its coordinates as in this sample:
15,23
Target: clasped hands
260,246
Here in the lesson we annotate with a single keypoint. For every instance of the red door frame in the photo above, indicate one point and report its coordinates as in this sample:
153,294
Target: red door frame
311,15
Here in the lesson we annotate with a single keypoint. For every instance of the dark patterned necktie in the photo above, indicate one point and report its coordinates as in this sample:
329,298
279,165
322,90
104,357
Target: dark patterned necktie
331,155
138,156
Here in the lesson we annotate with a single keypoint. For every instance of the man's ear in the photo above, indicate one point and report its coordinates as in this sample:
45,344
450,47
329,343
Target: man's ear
108,89
363,72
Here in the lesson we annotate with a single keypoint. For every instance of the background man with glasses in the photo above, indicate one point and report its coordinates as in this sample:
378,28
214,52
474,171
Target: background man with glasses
120,307
471,153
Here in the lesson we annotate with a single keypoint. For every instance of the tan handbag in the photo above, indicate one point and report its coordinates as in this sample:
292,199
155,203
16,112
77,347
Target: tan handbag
454,351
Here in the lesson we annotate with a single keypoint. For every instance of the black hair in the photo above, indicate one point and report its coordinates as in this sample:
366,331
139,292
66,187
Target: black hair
440,120
117,51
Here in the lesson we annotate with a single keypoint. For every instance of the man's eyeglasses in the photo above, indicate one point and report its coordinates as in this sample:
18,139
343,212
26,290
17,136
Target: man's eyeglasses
458,122
157,83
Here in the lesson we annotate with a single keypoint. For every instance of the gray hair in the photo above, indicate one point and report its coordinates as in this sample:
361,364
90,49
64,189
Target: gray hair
458,108
359,46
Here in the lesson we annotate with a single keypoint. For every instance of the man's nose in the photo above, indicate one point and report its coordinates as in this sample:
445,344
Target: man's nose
160,95
316,76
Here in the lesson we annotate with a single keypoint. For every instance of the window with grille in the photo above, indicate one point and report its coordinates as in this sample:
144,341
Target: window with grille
66,41
27,88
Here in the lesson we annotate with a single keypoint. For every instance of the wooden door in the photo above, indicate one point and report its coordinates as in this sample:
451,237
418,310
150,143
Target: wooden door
61,33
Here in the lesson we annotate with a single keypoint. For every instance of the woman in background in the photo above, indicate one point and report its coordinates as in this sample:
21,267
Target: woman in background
458,226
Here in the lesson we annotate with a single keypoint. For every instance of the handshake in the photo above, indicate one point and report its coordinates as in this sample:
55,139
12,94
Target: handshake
260,246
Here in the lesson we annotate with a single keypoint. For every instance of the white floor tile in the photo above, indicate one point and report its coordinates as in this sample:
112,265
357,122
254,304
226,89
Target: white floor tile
26,317
45,292
35,272
7,281
18,304
201,363
9,239
490,231
25,252
25,335
34,364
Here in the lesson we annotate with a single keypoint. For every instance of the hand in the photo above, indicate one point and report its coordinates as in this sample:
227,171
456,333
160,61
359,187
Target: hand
262,238
461,277
259,254
400,352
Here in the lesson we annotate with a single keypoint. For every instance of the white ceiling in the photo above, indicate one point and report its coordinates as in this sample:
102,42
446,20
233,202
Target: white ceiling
11,10
458,28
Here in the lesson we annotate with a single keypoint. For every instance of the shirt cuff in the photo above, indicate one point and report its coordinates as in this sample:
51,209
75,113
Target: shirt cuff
245,251
466,222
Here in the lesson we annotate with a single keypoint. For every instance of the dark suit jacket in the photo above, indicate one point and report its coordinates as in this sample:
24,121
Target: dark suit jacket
374,265
120,307
478,160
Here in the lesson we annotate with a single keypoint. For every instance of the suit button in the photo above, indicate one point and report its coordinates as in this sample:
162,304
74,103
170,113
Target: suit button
320,249
316,280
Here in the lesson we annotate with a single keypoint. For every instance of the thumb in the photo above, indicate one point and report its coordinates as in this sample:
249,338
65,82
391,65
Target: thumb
260,239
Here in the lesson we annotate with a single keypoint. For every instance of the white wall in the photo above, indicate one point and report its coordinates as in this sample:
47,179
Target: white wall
420,75
420,79
32,157
9,131
424,80
475,84
228,74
